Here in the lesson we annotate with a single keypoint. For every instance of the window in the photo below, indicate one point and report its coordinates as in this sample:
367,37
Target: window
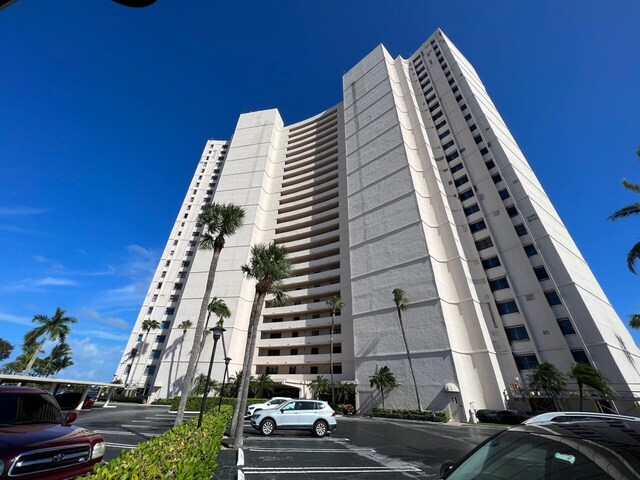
484,150
498,284
175,242
454,89
167,263
530,250
490,164
496,178
490,262
520,229
189,253
552,297
170,311
477,226
461,181
507,307
428,91
466,194
432,97
163,274
337,348
478,138
272,370
292,370
155,354
134,352
504,194
149,310
457,167
471,209
160,338
155,297
337,369
473,127
140,335
484,243
441,124
273,353
294,351
437,115
313,370
185,264
150,370
463,107
444,134
294,334
526,362
451,81
127,369
182,274
452,156
315,333
512,211
516,333
315,315
337,329
580,356
178,286
165,324
159,285
565,326
541,273
449,144
314,351
174,298
275,335
458,98
467,117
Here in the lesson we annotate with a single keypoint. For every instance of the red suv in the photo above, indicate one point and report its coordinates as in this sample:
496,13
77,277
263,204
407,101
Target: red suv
38,442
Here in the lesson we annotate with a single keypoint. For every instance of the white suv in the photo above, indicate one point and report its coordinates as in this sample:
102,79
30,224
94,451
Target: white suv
313,415
273,403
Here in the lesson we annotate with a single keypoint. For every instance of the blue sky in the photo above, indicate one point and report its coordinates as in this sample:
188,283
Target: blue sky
104,111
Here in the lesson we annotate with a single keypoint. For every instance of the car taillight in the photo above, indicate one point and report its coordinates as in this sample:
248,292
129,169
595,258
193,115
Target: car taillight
333,414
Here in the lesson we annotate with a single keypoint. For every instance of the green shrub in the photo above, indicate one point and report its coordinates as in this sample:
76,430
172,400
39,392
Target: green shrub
425,416
123,399
183,453
163,401
194,403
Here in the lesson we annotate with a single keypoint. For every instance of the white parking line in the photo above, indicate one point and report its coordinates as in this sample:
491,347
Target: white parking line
138,426
121,445
113,432
329,470
312,450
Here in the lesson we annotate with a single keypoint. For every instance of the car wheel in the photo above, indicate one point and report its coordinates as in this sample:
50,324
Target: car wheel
267,427
320,428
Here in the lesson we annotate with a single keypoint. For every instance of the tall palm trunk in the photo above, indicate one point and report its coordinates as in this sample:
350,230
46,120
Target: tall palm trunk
35,356
581,397
195,353
406,346
382,395
333,390
243,392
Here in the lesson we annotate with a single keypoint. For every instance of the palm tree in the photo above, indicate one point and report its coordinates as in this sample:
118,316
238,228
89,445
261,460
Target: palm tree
220,310
219,221
268,265
384,380
147,326
634,253
60,358
336,303
319,386
585,374
345,392
549,379
262,385
51,328
400,299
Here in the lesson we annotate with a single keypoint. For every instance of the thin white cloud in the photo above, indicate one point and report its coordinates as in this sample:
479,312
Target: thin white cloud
91,360
7,317
111,321
54,282
103,335
20,211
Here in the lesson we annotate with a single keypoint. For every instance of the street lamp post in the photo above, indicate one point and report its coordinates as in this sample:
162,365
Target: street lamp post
224,378
217,332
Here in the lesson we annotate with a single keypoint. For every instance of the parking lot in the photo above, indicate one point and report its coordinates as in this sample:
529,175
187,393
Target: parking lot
124,426
360,448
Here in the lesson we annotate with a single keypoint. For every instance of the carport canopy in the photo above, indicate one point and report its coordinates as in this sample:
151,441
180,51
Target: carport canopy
55,384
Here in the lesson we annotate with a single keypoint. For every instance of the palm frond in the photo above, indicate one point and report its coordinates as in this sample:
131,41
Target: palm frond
632,256
634,320
400,298
627,211
633,187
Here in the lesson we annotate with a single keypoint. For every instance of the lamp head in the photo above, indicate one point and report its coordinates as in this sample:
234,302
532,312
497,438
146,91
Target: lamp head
217,331
227,360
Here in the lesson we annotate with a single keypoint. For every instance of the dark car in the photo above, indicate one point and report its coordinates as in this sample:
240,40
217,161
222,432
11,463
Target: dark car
37,440
594,449
71,400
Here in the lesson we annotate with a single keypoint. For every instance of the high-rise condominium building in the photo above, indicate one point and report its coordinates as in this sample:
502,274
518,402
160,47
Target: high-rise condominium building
412,182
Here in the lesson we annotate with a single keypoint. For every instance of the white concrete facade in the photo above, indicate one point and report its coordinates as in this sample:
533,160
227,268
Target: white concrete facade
413,182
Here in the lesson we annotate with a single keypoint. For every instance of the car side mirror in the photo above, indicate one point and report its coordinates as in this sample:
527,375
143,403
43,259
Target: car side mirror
445,467
70,418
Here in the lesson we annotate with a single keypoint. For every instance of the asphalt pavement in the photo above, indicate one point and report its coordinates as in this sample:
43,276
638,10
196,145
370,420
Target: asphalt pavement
360,448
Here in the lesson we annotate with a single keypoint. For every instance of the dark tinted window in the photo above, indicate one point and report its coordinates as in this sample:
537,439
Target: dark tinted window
516,333
507,307
565,326
490,262
23,408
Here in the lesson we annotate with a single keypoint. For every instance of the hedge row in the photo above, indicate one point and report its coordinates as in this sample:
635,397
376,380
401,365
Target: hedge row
425,415
194,403
183,453
123,399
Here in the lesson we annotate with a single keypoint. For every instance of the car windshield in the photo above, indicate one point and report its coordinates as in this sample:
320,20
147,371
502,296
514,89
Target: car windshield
276,401
523,456
25,408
